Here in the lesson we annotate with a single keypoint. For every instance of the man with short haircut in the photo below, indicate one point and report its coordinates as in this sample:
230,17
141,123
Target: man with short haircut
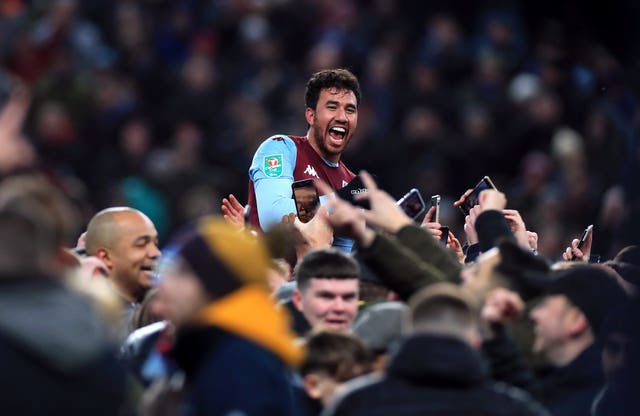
126,241
333,358
332,98
567,321
327,291
437,370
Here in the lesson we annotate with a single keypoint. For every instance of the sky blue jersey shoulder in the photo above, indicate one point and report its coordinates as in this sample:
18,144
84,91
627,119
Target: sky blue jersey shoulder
271,172
275,158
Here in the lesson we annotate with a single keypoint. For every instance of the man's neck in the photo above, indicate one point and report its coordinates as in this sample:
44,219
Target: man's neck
125,293
571,350
332,159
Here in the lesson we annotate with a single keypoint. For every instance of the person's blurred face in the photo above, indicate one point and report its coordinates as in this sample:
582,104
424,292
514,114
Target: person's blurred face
135,251
478,277
181,293
329,303
333,122
552,319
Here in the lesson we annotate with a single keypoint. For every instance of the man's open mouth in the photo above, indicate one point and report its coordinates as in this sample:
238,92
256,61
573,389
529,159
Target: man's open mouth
337,134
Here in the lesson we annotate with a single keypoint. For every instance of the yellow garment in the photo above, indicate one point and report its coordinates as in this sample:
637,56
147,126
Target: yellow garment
250,313
245,256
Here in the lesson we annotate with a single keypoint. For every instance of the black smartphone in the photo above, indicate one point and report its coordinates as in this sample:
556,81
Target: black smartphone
435,202
412,203
472,199
583,238
306,198
444,238
351,190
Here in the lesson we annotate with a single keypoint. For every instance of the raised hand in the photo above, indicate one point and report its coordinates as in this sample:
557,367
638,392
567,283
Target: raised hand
233,212
432,227
501,306
16,152
470,225
491,199
581,254
345,218
518,228
454,244
385,212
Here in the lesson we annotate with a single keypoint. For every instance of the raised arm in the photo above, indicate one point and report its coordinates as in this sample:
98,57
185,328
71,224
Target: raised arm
271,172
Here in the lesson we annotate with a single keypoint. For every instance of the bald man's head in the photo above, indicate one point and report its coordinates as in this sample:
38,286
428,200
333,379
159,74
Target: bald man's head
127,242
103,230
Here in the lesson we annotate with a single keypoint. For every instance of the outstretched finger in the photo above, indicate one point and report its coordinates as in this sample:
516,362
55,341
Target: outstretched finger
234,202
323,187
429,217
463,197
368,181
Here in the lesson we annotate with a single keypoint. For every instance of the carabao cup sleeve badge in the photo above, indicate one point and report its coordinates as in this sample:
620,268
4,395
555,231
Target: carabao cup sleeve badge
273,166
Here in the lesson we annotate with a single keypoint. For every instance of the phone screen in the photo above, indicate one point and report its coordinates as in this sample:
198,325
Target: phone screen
306,197
435,202
412,204
472,199
584,236
444,238
583,239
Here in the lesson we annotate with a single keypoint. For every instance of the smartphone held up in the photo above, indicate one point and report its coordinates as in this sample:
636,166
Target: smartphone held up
583,239
306,199
473,198
412,204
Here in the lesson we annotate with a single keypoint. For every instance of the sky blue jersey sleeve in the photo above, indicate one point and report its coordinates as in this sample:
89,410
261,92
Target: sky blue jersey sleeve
271,172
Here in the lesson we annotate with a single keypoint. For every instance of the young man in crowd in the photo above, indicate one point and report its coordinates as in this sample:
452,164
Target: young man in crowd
327,290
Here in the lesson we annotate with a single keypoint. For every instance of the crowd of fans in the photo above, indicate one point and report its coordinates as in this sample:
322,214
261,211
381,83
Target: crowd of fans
124,291
160,104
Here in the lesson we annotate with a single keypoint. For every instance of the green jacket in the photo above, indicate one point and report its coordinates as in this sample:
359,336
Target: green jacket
409,260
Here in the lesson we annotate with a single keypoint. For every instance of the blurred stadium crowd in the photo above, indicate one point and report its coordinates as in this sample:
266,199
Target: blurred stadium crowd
160,104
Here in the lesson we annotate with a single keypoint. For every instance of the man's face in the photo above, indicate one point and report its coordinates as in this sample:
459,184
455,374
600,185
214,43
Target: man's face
552,320
329,303
333,122
181,294
133,256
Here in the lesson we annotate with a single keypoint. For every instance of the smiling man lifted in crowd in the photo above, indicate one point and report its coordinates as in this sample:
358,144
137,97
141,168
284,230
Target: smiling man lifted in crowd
332,98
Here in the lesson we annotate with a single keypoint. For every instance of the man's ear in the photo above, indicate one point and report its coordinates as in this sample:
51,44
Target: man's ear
310,115
297,299
312,386
578,322
103,254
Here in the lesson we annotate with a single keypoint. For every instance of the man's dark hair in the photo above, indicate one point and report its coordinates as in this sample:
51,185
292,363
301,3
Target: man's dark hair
327,263
338,355
341,79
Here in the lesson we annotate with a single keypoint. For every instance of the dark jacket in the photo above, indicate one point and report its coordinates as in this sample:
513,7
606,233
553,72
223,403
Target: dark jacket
434,375
491,226
409,260
571,390
227,373
54,353
565,391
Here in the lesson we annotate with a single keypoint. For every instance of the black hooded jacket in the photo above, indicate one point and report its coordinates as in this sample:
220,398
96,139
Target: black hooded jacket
433,375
